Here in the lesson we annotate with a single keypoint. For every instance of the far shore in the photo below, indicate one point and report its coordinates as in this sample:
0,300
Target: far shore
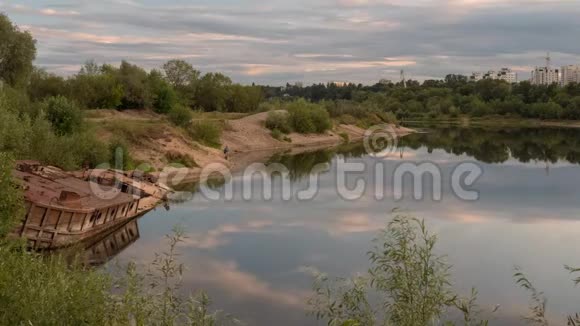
497,122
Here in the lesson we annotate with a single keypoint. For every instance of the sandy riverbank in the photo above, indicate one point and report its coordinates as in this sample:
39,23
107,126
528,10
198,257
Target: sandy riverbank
247,138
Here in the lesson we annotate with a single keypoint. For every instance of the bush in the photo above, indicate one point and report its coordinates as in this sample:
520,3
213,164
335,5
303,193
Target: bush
49,291
165,100
278,120
345,137
134,132
12,204
59,290
206,132
320,120
301,122
180,115
35,139
181,159
120,157
64,115
306,118
277,134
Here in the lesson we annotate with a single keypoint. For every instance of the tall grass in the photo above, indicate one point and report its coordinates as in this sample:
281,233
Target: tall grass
53,290
206,132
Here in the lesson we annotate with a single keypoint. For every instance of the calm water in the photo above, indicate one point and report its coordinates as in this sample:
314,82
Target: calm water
252,256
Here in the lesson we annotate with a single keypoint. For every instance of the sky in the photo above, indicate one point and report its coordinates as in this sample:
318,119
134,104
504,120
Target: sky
310,41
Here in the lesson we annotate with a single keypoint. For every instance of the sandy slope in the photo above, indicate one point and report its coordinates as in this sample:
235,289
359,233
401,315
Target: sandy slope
248,139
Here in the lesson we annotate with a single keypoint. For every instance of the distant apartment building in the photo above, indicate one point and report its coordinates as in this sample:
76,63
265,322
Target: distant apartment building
545,76
505,74
570,74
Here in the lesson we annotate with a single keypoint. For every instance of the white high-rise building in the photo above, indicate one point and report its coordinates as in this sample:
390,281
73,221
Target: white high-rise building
545,76
505,74
570,74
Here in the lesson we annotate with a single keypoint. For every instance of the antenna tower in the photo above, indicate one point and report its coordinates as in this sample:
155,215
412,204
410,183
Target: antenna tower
403,79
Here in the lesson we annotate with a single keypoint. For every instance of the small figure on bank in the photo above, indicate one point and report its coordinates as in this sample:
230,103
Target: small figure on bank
226,152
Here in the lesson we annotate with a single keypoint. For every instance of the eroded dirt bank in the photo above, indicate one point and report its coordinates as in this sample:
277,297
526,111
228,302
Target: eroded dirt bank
158,142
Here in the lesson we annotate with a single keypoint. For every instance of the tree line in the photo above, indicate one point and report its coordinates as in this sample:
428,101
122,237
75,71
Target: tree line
451,97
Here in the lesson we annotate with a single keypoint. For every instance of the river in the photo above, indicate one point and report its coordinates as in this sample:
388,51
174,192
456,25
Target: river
255,257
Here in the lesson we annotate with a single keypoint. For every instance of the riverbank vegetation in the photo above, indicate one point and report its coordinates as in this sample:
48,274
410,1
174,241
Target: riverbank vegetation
450,98
59,289
409,284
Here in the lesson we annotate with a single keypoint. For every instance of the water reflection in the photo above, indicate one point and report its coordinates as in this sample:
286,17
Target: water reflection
255,257
101,251
498,145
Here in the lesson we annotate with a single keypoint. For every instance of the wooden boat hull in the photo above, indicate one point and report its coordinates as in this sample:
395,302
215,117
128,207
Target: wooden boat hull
60,228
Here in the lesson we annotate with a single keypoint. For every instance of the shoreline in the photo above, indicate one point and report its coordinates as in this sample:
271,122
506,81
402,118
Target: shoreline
242,157
504,122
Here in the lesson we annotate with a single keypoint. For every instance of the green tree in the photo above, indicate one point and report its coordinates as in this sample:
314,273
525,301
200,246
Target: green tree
243,98
17,52
183,78
134,80
97,87
164,96
213,92
180,73
11,205
64,115
44,84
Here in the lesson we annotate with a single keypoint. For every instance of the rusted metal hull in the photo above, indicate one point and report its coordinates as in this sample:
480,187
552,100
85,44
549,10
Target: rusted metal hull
66,208
53,228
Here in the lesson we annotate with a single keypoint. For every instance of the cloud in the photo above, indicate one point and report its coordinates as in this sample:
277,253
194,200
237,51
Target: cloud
227,276
309,41
218,237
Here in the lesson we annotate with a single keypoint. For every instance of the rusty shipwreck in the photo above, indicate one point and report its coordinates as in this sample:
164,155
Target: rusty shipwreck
64,208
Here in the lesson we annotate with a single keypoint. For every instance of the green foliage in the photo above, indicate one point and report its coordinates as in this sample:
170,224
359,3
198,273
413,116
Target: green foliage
97,87
53,290
180,74
17,101
35,138
277,134
279,120
180,159
180,115
243,98
212,92
120,155
406,269
64,115
165,98
135,83
11,205
17,52
305,117
538,300
345,137
44,84
205,132
49,291
134,132
411,280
